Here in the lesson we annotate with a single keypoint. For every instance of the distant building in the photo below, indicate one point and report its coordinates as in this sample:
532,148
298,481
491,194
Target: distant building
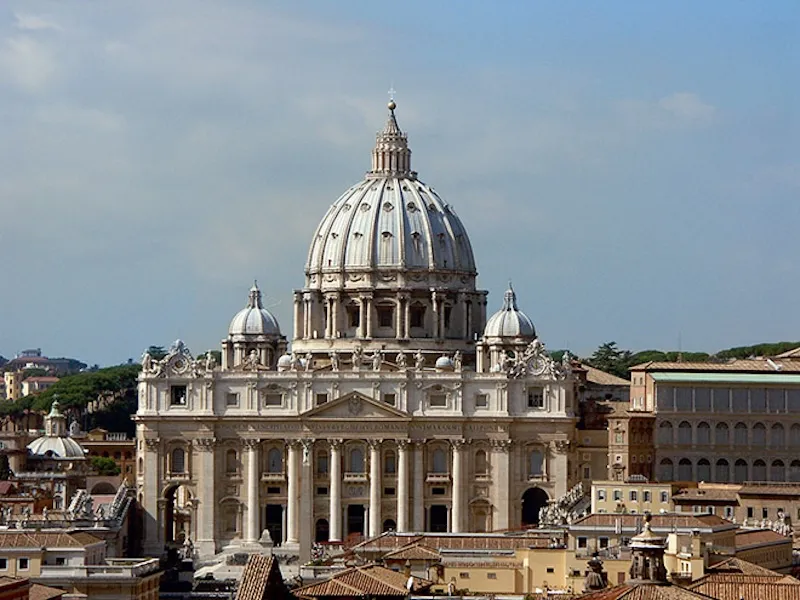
36,384
633,496
12,381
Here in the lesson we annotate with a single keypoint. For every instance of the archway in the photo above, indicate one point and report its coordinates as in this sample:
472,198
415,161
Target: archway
532,502
321,531
103,488
177,514
389,525
273,518
355,519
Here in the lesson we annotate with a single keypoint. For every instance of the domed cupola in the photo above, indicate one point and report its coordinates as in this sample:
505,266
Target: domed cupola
509,321
55,443
254,319
390,266
507,332
254,337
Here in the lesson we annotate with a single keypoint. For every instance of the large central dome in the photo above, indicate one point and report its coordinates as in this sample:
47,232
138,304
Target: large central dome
390,229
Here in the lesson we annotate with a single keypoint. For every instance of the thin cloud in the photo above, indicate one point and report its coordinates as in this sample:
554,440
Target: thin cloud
27,64
687,105
28,22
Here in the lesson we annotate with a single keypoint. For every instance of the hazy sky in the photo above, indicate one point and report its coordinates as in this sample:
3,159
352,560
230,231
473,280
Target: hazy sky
634,167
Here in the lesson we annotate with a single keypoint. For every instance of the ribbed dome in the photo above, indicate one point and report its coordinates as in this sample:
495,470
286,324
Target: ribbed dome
60,447
254,319
390,221
509,321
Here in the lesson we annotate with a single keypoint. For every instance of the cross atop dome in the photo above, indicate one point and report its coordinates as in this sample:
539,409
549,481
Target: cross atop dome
510,298
254,300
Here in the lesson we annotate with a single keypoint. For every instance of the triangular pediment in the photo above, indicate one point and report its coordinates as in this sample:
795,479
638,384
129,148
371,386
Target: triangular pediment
355,406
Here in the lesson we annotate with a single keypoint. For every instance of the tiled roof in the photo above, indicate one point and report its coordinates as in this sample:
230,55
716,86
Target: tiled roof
770,489
369,580
794,353
741,566
44,592
659,522
645,591
602,378
392,541
413,552
261,580
756,537
706,494
6,487
766,590
17,539
757,365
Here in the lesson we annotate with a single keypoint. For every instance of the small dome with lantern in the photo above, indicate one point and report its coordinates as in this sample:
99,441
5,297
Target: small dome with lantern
55,443
254,319
509,321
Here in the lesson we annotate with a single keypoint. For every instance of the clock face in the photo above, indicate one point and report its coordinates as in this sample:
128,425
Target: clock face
537,366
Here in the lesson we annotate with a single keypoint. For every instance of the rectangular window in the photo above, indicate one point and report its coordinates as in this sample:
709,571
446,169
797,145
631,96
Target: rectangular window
601,494
750,512
482,401
177,395
721,400
587,472
353,316
322,398
417,316
322,463
385,314
702,399
491,575
389,491
273,399
463,575
535,398
646,496
438,491
274,490
664,497
3,564
765,513
23,563
322,491
551,570
603,542
60,561
389,399
232,399
728,512
617,495
633,496
438,400
582,542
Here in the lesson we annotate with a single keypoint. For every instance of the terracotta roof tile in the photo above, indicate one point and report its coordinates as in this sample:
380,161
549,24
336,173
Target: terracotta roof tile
18,539
392,541
754,537
262,580
413,552
602,378
369,580
737,565
645,591
744,366
766,489
736,591
44,592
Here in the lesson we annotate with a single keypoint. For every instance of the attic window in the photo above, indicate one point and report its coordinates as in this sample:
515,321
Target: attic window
177,395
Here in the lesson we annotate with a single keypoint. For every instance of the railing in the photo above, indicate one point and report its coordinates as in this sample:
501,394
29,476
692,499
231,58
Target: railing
116,436
178,476
117,568
438,477
273,477
355,477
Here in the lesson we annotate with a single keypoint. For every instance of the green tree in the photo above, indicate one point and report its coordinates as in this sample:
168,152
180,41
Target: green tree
611,359
156,352
104,465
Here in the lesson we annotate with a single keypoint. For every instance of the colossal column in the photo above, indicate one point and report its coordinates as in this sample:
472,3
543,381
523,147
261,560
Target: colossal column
154,524
335,469
402,486
419,485
252,533
292,512
374,487
457,525
206,475
501,482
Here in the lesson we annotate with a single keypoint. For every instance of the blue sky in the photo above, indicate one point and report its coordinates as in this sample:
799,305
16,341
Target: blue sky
633,167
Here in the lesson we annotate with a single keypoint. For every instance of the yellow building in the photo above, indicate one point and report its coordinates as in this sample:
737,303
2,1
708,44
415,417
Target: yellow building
634,496
13,383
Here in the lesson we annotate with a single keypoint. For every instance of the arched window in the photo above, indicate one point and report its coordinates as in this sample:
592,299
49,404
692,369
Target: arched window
794,471
794,436
535,460
740,471
439,461
389,463
759,435
665,433
481,468
684,433
231,461
274,461
777,437
322,463
759,470
721,434
777,471
685,470
703,433
740,434
389,525
722,473
356,460
141,465
666,471
703,470
178,460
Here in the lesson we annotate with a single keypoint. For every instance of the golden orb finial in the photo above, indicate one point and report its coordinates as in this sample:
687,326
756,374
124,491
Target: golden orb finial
392,105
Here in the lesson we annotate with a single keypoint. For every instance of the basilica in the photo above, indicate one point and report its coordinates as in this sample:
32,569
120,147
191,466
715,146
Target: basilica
396,404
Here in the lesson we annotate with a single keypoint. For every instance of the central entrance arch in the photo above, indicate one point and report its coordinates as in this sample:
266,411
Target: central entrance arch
532,502
177,514
355,519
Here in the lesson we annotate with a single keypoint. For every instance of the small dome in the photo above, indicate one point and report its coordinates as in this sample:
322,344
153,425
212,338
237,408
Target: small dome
254,319
58,447
509,321
444,362
285,362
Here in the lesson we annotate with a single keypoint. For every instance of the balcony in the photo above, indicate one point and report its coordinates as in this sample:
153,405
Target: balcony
438,478
273,477
115,568
537,477
178,477
355,477
483,477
